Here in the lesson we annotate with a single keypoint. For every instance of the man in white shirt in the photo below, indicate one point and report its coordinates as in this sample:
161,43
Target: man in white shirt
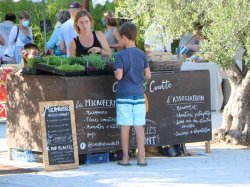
5,28
67,30
156,39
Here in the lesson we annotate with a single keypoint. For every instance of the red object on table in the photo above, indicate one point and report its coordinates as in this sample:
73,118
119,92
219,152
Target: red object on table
3,93
2,111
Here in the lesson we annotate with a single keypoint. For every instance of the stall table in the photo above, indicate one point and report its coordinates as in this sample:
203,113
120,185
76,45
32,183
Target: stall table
179,110
215,81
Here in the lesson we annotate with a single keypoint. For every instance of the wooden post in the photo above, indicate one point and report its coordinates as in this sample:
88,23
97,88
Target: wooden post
85,4
10,154
207,147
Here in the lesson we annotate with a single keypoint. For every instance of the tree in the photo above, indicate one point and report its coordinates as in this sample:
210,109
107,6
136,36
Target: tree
226,28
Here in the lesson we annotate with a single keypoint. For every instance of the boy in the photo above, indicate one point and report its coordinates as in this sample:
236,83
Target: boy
131,67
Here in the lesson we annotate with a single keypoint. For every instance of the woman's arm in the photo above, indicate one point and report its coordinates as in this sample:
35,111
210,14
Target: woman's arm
2,42
72,48
105,46
119,44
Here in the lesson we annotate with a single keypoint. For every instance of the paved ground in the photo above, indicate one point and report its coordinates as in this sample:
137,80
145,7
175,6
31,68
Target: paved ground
225,166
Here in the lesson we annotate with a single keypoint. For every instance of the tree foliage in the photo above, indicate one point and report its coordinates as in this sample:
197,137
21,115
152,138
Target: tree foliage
225,22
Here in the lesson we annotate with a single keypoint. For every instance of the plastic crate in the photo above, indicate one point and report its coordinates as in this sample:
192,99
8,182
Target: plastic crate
23,155
97,158
26,155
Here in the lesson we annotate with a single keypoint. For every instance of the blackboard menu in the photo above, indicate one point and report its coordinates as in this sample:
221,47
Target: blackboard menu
179,110
58,133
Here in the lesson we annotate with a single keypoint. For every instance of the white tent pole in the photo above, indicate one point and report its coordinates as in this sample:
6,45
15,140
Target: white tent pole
44,26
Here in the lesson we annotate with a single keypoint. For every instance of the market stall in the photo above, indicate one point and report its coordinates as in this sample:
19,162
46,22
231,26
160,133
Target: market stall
179,110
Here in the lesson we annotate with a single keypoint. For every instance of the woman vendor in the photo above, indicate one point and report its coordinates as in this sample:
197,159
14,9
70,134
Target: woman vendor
87,41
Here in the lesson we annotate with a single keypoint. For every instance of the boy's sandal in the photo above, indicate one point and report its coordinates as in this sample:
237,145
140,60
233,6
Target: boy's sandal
143,164
123,164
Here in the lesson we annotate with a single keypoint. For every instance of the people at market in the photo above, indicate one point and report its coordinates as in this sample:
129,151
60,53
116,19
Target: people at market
5,28
28,51
67,31
19,36
131,67
53,45
111,33
87,41
190,43
156,39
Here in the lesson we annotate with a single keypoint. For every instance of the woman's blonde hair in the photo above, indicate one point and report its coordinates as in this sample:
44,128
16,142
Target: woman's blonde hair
80,14
24,15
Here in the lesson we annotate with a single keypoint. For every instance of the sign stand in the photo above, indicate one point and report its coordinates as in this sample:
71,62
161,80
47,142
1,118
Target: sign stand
60,149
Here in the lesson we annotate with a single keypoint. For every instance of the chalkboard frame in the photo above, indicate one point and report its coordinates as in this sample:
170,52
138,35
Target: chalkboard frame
46,164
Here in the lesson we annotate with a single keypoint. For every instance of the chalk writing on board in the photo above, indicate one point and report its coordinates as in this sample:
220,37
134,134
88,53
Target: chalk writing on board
163,85
189,118
185,98
95,103
177,109
59,135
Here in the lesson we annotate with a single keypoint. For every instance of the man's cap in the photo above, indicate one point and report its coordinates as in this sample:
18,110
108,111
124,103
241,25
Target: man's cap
74,5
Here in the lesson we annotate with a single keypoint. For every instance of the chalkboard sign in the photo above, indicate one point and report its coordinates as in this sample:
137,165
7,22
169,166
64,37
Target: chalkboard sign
179,110
59,135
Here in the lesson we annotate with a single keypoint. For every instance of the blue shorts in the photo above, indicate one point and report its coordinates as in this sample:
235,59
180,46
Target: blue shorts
131,111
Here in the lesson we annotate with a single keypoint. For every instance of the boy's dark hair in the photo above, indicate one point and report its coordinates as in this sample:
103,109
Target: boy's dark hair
10,17
129,30
30,46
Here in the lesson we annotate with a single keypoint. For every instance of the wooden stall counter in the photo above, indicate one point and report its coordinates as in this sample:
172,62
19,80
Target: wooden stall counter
179,109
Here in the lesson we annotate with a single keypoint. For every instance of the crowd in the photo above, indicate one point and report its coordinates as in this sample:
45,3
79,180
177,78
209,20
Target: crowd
73,35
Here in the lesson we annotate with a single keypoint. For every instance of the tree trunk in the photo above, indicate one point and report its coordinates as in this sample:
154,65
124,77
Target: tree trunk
236,115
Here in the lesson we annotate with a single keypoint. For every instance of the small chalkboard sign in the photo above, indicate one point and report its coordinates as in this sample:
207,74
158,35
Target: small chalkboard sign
58,135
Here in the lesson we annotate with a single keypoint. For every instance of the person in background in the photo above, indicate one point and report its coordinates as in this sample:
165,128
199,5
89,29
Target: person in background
111,33
67,31
5,28
28,51
156,39
22,33
131,67
190,43
53,45
87,41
